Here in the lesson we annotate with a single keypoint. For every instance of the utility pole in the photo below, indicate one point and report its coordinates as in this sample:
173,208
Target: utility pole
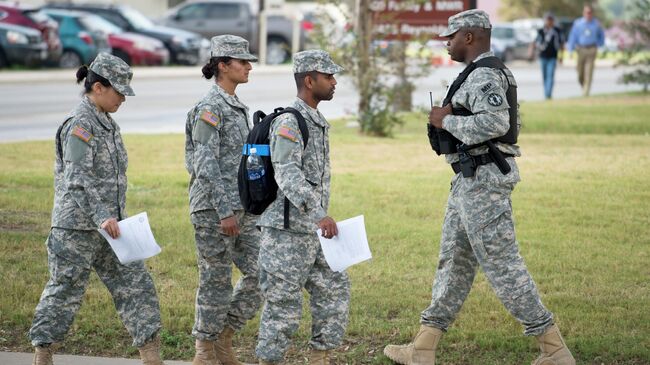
262,33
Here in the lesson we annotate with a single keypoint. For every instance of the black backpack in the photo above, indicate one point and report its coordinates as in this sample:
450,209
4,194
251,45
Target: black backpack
253,200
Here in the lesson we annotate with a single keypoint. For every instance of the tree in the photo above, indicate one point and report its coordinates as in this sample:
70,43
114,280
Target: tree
382,77
618,9
638,55
516,9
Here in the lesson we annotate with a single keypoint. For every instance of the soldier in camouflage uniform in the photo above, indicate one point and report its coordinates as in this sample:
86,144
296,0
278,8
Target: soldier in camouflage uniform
215,132
478,228
89,193
291,257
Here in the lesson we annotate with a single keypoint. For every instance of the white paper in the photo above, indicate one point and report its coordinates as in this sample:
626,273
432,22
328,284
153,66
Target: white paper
135,242
349,247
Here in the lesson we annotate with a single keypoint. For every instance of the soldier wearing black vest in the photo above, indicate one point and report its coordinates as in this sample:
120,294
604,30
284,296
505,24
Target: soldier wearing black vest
476,129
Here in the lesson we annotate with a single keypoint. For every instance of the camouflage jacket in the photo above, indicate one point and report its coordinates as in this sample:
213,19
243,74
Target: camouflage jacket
303,176
89,170
215,133
484,94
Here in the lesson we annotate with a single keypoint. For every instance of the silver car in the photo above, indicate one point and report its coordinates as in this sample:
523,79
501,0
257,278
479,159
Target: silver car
508,44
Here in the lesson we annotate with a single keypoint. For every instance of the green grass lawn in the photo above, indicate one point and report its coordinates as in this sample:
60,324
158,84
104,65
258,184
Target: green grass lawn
583,223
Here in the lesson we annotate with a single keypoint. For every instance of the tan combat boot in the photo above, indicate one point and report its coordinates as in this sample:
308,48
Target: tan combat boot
223,348
150,352
422,351
43,355
204,354
319,357
554,350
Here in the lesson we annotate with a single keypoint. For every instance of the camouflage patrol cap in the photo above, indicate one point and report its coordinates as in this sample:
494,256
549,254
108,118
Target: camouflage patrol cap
116,71
230,46
314,60
467,19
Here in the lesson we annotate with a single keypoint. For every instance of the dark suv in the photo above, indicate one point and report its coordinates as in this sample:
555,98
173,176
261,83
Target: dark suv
12,13
184,47
21,46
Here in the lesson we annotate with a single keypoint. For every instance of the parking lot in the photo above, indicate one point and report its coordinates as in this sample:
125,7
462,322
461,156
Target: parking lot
69,34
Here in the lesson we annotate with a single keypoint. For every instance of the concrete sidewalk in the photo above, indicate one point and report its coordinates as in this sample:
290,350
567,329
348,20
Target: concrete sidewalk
140,72
18,358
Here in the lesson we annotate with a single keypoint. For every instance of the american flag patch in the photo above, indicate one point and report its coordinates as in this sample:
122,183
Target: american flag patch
209,118
287,133
83,134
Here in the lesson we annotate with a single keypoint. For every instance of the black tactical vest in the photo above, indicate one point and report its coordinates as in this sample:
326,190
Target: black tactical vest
444,142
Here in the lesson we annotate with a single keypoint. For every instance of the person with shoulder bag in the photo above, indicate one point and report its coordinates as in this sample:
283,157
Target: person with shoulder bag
291,257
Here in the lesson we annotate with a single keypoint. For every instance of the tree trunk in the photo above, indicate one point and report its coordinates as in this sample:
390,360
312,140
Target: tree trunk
403,89
364,78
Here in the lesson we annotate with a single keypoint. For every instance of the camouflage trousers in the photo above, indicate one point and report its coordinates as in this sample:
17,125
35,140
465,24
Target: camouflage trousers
71,256
290,261
478,230
217,303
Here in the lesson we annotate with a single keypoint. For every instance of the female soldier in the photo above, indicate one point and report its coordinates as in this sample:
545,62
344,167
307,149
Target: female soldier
215,133
90,193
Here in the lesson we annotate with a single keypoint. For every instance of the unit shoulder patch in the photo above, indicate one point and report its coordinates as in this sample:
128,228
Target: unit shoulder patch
495,99
82,134
210,118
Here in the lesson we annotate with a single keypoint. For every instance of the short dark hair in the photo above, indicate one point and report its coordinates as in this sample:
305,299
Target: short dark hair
90,78
479,32
300,78
212,67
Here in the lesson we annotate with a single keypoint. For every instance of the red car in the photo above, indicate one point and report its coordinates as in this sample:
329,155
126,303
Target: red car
135,49
11,13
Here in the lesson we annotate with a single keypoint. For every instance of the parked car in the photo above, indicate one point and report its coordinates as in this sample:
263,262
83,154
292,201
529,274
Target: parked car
238,17
133,48
184,47
508,44
21,46
329,19
80,44
12,13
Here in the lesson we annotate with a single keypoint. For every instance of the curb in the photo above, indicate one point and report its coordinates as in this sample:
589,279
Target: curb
20,358
166,72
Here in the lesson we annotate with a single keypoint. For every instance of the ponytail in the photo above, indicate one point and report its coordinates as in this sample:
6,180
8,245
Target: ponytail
85,73
212,67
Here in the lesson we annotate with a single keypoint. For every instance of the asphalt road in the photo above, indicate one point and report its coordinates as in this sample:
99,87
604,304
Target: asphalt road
33,104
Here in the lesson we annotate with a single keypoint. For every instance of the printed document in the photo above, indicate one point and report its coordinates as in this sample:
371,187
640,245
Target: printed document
135,242
349,247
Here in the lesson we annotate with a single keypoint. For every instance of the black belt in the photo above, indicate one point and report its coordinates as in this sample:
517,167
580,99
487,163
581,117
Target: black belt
479,160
